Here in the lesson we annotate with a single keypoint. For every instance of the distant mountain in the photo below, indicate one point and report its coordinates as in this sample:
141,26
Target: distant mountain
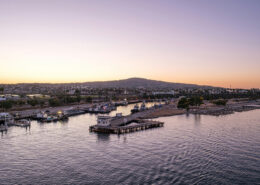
141,83
126,83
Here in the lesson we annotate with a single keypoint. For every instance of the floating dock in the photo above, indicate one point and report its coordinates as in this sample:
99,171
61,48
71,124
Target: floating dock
136,125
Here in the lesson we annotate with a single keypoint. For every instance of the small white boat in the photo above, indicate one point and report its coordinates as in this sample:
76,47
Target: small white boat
23,123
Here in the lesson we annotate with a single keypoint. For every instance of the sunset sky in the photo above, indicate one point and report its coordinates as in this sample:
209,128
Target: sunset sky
203,42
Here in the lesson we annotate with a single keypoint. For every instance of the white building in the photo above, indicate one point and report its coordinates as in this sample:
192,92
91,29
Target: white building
104,120
164,93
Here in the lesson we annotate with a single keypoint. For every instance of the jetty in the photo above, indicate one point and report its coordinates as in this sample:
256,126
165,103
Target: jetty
124,124
136,125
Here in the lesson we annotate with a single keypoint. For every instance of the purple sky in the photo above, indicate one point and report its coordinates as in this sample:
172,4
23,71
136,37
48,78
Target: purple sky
203,42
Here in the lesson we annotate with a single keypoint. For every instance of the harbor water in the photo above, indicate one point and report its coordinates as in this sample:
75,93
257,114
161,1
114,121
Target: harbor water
189,149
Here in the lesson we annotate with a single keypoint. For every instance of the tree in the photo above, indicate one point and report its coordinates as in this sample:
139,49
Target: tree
41,103
78,98
6,104
33,102
20,102
183,103
22,95
88,99
2,90
77,92
195,101
220,102
54,102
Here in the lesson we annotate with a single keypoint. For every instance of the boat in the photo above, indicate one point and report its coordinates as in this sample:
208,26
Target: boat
156,106
61,116
102,109
41,115
22,123
6,119
143,107
73,112
121,103
135,109
50,119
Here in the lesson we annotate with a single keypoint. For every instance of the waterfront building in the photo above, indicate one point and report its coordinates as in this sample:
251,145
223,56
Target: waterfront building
164,93
104,120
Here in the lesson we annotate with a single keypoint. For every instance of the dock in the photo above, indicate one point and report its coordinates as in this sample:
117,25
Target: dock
137,125
126,124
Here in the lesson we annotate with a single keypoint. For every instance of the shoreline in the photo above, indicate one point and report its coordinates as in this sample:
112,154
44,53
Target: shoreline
172,110
166,110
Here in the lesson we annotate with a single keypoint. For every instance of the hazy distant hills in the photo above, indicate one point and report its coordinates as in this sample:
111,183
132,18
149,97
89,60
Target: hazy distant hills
141,82
126,83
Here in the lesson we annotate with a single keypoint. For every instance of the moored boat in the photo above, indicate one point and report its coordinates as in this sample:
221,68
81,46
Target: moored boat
135,109
143,107
22,123
6,119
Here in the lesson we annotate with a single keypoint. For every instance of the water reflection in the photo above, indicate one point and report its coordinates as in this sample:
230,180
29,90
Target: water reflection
187,114
64,123
28,128
102,137
197,119
125,139
3,132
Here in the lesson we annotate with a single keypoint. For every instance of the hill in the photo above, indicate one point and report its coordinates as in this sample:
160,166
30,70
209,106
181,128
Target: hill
141,83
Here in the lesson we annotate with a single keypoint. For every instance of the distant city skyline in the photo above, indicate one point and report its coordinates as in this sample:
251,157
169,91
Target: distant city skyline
201,42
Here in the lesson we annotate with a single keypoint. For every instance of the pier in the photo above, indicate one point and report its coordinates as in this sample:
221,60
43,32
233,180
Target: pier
136,125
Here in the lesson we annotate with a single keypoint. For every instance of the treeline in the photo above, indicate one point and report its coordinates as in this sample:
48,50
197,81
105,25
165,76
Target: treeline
157,96
54,101
8,104
66,99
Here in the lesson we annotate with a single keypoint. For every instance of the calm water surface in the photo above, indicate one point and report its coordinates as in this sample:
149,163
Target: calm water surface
189,149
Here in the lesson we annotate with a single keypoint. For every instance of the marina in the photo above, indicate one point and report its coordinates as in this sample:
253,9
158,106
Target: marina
104,108
118,123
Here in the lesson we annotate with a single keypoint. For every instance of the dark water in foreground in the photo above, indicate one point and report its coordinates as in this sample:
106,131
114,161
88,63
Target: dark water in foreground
187,150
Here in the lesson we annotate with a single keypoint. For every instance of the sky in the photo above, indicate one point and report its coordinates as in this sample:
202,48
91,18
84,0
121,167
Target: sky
197,41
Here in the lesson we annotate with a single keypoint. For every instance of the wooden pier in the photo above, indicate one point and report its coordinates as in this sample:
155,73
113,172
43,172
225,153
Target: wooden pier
136,125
